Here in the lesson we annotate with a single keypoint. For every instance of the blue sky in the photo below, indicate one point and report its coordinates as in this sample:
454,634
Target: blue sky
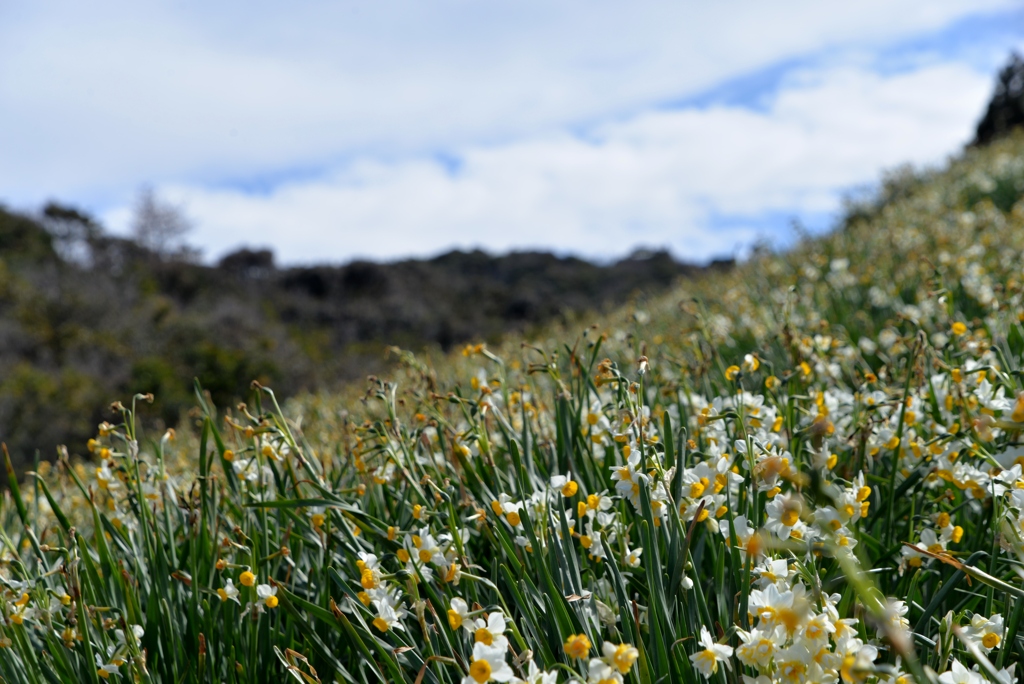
330,131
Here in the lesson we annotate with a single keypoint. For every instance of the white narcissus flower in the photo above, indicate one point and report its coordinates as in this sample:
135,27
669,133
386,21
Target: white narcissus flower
783,515
633,557
387,617
600,672
707,659
894,616
748,539
958,674
535,675
758,647
491,632
229,592
772,572
488,665
104,669
137,633
986,633
266,595
815,631
627,477
760,679
620,657
773,607
429,551
458,615
559,481
106,479
793,663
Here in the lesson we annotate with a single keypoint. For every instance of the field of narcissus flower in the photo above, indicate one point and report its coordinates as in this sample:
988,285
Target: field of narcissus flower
808,469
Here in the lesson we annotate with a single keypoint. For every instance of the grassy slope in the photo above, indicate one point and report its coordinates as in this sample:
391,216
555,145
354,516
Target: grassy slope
865,406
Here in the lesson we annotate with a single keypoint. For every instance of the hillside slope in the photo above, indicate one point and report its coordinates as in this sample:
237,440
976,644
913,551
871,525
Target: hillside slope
805,470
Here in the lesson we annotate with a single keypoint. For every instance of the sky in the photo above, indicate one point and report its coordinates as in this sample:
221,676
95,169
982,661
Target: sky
330,131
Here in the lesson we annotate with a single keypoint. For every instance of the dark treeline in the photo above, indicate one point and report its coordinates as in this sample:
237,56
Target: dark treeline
87,318
1005,110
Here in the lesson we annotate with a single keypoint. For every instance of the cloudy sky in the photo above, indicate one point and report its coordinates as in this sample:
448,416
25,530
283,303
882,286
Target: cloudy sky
333,130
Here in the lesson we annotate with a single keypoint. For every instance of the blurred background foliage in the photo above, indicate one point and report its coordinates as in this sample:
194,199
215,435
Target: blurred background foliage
87,317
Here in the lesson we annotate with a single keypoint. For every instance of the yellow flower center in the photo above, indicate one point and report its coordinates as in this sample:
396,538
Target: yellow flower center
272,602
380,623
793,671
707,657
990,640
480,671
483,636
454,619
788,618
789,518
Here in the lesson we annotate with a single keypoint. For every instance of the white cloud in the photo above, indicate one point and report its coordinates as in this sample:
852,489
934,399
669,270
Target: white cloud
98,97
659,178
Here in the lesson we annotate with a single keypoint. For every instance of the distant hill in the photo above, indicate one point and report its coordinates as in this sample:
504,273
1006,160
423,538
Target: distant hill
87,318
